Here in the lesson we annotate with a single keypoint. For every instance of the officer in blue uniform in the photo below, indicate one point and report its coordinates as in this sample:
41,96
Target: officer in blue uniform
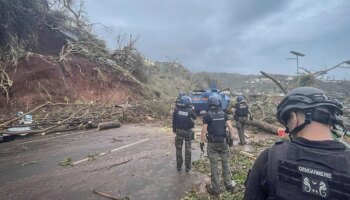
310,166
214,123
183,117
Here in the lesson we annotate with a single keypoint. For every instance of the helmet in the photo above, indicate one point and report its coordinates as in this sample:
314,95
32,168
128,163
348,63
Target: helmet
306,98
239,98
214,101
186,100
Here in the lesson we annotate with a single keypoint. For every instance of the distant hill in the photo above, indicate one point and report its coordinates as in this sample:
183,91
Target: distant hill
171,78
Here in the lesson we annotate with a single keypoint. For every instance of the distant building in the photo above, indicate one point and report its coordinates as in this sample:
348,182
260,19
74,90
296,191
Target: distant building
148,62
289,78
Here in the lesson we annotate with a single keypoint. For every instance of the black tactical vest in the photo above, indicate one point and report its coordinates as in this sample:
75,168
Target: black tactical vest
241,110
217,127
183,118
298,172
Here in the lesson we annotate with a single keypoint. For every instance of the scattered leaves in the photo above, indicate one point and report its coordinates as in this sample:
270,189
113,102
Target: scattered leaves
92,156
239,165
66,162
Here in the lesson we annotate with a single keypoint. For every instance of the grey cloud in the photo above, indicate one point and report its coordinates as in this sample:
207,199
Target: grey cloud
233,36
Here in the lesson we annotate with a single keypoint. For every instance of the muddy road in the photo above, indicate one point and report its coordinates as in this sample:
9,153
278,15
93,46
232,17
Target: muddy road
135,161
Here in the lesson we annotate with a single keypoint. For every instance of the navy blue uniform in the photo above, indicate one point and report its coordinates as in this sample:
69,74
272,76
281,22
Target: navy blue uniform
301,169
182,124
241,117
218,148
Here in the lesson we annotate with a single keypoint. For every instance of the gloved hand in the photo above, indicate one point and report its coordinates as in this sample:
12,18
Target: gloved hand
202,146
231,143
251,118
174,130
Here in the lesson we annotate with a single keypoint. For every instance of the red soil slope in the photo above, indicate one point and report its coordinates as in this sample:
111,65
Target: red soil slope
39,79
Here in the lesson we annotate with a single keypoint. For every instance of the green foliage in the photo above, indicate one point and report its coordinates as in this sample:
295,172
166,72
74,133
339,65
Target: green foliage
92,156
306,80
138,70
193,195
19,22
66,162
167,79
160,110
157,93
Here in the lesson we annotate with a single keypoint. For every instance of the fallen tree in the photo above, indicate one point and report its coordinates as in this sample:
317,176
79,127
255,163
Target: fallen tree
19,117
59,117
264,126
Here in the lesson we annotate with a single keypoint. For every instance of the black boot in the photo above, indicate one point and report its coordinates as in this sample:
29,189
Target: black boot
212,192
230,189
178,168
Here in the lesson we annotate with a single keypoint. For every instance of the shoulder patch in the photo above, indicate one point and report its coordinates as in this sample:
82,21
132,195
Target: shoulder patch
279,141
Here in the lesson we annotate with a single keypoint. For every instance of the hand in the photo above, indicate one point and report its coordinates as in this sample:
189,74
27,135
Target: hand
251,118
202,146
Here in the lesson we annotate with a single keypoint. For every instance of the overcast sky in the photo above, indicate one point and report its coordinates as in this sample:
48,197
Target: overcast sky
243,36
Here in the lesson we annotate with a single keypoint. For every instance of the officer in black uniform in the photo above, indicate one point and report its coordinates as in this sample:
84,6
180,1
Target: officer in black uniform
241,112
215,122
310,166
183,117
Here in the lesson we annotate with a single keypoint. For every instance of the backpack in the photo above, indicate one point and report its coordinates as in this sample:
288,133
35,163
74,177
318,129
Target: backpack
241,110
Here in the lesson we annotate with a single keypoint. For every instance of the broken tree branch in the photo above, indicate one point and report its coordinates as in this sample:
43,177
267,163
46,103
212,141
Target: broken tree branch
29,163
254,107
6,92
275,81
248,154
119,163
72,115
110,196
322,72
17,118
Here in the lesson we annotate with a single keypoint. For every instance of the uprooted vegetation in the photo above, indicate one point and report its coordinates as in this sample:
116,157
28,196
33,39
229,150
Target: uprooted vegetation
59,117
48,53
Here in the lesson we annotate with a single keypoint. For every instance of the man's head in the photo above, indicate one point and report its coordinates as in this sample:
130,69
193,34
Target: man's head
303,105
214,101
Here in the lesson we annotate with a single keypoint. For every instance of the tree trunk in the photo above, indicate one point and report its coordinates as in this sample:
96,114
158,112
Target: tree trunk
264,125
108,125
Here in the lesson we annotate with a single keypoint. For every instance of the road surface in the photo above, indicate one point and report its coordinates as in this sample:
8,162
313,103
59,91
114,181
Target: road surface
135,161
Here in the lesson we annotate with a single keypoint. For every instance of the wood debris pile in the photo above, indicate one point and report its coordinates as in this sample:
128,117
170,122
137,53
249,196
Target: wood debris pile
59,117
